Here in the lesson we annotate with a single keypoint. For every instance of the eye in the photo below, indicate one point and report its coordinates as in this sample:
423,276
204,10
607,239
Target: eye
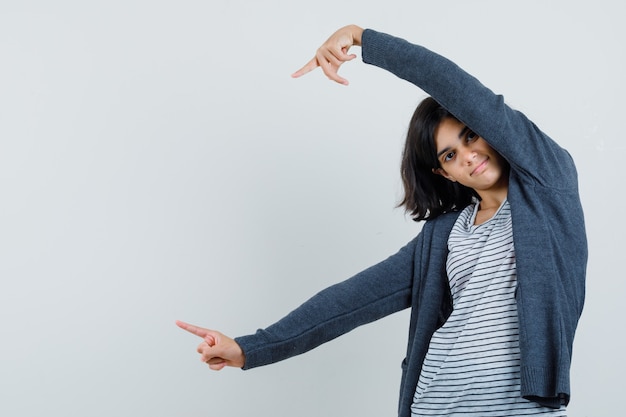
471,136
448,157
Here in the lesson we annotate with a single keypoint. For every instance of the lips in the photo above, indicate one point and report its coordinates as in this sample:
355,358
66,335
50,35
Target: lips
480,168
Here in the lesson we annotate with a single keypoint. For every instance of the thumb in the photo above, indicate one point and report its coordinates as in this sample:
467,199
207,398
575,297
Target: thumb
210,339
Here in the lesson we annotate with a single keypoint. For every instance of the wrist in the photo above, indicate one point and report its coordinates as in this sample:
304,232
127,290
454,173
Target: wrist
356,32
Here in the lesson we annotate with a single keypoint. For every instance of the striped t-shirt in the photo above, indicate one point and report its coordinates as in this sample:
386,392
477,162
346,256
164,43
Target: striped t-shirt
472,367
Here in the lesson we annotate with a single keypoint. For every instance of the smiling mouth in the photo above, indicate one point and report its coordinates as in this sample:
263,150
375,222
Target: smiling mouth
480,168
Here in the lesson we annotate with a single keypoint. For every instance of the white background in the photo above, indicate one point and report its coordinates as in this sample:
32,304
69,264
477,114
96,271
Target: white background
157,162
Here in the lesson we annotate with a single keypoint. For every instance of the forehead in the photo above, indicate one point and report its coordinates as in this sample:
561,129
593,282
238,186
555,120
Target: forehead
448,133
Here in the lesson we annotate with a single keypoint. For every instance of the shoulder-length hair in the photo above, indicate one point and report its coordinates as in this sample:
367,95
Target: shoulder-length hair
427,194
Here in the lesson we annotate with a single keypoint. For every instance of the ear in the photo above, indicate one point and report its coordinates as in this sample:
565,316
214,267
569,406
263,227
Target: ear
443,173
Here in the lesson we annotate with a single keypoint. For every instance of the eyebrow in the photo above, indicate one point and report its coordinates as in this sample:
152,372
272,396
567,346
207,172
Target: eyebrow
462,133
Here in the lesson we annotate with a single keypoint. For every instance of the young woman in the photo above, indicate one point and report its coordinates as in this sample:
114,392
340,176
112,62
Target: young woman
496,277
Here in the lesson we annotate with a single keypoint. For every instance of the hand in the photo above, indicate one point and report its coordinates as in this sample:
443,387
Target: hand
217,350
333,53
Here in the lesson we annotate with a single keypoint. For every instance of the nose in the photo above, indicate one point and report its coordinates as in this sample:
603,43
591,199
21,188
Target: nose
466,154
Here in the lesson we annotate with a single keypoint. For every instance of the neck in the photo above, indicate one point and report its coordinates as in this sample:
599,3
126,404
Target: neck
490,204
492,199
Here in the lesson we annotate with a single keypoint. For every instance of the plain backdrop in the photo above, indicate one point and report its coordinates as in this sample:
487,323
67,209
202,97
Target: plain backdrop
158,162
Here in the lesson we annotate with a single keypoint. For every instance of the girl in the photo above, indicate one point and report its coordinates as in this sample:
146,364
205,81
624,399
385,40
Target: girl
496,277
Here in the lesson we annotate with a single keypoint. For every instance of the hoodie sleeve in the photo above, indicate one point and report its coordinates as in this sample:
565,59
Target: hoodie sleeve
529,151
376,292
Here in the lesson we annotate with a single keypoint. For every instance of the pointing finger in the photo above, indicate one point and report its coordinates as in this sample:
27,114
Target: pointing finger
198,331
308,67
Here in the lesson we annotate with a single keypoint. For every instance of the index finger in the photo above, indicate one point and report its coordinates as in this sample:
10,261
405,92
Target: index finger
308,67
198,331
330,69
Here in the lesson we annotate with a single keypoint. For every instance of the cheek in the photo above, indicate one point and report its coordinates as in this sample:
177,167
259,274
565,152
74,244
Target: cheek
499,159
490,151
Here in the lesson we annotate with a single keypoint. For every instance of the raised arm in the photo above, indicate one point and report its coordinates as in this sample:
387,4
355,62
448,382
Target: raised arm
532,153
